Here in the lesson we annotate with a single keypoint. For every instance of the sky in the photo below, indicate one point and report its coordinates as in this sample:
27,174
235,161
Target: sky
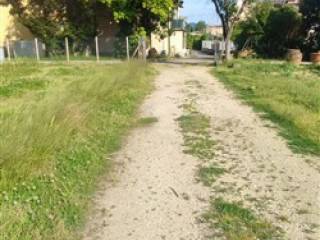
196,10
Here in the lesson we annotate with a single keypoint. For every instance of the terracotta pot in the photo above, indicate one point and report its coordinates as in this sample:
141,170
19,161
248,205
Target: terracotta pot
315,57
294,56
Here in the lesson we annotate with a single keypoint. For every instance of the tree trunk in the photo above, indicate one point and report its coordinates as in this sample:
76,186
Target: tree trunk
227,44
227,48
169,36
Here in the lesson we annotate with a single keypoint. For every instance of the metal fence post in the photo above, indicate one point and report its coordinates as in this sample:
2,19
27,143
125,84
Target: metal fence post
67,49
8,49
37,49
97,49
128,50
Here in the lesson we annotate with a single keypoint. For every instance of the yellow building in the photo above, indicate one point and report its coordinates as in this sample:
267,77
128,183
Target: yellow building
10,28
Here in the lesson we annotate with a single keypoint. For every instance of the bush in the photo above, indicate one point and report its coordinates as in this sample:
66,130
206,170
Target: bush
153,53
270,30
195,41
281,32
248,32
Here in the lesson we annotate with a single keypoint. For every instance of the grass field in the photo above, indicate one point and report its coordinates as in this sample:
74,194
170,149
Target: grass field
288,94
58,123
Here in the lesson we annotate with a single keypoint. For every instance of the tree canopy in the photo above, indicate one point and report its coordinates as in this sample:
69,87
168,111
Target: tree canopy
249,31
52,20
143,13
201,26
281,31
270,30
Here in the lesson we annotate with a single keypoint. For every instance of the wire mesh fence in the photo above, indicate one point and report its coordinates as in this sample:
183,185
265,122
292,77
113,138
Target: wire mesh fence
68,49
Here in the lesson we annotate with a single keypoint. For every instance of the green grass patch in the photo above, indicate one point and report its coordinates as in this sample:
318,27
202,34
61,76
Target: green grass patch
54,143
23,85
195,128
147,121
208,175
197,140
239,223
18,78
287,94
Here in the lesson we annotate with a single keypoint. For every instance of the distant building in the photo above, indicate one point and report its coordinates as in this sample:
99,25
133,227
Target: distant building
216,31
10,28
176,43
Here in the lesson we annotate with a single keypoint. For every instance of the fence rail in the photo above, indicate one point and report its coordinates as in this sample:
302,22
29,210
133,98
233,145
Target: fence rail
97,49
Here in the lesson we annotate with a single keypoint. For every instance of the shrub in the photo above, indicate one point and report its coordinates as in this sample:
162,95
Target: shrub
153,53
281,32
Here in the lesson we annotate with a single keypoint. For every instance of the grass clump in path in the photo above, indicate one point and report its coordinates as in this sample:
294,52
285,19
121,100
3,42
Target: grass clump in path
208,175
288,94
145,121
239,223
197,140
54,142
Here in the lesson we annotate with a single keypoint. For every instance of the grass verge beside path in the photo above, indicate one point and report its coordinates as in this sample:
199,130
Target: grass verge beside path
54,141
288,94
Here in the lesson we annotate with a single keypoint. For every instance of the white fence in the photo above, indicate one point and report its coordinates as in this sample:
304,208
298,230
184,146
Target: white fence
215,46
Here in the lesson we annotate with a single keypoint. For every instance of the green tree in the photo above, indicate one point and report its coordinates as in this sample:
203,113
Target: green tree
201,26
52,20
229,12
143,13
281,32
189,27
249,31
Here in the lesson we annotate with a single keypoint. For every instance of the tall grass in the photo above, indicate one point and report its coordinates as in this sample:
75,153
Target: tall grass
54,145
288,94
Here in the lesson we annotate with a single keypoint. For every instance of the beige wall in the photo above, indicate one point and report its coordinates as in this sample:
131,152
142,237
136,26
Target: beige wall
177,42
10,27
215,30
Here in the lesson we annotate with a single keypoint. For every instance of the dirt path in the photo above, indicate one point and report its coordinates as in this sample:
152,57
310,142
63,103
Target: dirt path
155,195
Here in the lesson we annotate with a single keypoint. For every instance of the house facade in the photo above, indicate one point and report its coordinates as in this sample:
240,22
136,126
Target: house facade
216,31
10,28
175,44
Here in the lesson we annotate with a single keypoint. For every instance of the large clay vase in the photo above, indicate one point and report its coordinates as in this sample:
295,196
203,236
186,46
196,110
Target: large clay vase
294,56
315,57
